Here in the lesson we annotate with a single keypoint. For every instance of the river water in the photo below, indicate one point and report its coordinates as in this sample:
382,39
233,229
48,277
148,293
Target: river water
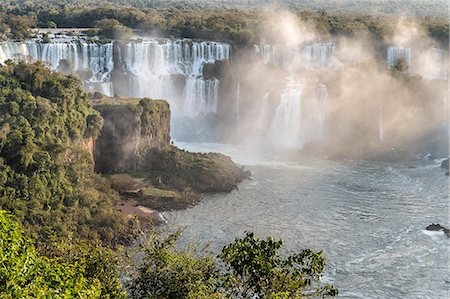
368,217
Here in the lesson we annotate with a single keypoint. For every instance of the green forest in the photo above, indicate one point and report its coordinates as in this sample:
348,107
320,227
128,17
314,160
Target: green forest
238,27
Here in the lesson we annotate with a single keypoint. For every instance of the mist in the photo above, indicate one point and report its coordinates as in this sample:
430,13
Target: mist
343,97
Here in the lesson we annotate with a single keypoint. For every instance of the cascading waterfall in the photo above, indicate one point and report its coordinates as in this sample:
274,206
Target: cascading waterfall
155,64
286,124
267,52
153,67
439,65
394,54
319,55
98,59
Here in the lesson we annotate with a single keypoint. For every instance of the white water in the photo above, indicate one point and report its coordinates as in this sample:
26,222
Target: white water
286,124
153,67
156,63
394,54
437,67
82,55
319,55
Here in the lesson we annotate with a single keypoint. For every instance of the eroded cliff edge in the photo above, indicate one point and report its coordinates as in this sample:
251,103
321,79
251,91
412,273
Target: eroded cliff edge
134,150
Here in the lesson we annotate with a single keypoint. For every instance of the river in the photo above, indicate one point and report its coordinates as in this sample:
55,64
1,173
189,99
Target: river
368,217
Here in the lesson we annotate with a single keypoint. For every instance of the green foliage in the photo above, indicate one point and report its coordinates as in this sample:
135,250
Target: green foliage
113,29
46,172
51,24
257,269
46,39
210,172
230,21
248,268
84,271
168,272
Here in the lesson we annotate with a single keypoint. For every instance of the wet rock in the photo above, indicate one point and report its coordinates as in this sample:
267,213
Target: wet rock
445,164
438,227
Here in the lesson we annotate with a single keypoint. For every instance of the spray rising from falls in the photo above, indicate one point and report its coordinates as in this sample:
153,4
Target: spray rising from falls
286,124
380,122
319,55
438,69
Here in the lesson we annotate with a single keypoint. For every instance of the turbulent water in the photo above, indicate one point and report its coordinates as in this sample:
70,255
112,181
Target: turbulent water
368,217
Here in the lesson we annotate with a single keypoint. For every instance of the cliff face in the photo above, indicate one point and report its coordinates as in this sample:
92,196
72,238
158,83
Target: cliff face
131,128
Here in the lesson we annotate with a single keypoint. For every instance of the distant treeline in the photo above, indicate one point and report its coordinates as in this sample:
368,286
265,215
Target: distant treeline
372,7
238,27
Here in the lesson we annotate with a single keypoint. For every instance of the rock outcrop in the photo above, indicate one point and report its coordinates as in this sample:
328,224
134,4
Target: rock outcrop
438,227
131,128
445,164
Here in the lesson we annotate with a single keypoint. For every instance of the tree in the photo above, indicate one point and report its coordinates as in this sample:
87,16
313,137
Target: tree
113,29
256,269
82,271
247,268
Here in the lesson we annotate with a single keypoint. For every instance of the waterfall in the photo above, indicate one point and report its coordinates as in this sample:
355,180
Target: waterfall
319,55
438,65
380,122
96,58
200,96
286,124
394,54
322,97
266,52
155,65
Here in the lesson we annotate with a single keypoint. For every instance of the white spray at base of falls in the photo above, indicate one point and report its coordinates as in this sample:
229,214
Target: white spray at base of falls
286,124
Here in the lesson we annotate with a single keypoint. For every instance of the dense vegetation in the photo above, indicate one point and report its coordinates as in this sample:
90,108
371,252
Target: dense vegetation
46,171
239,27
382,7
66,270
247,268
